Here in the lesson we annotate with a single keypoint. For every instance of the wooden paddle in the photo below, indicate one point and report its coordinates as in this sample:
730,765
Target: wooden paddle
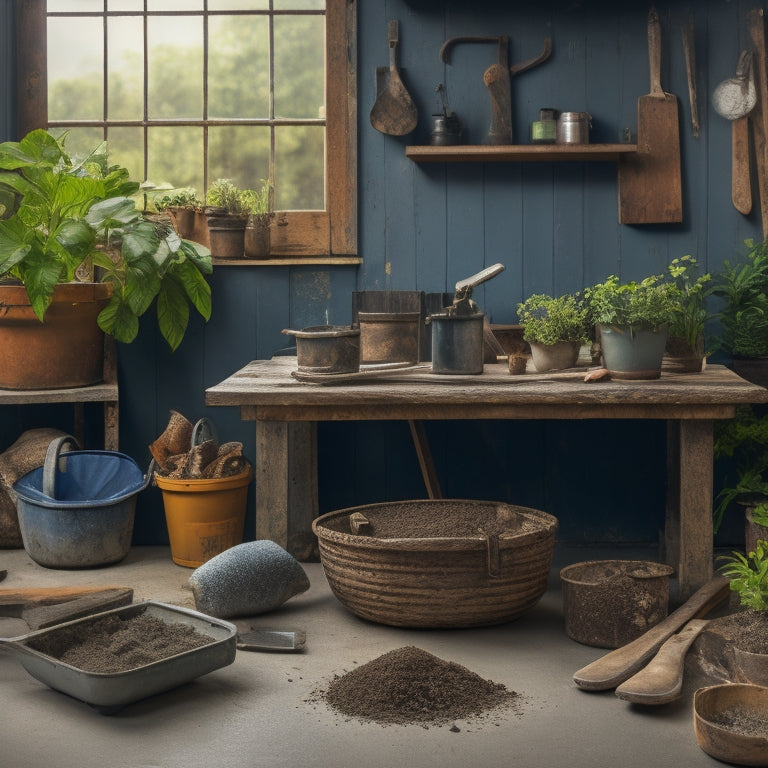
617,666
394,112
662,680
650,184
741,186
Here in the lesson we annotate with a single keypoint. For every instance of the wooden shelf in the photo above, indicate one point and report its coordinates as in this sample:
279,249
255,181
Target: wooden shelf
520,153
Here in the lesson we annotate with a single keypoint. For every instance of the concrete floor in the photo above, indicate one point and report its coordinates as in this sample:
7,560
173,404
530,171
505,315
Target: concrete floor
256,712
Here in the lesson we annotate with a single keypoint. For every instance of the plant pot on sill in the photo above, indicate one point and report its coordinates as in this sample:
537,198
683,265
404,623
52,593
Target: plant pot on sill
555,357
679,357
608,603
226,234
631,352
257,237
67,350
183,220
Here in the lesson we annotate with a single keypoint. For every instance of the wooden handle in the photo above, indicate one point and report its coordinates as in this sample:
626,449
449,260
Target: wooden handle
654,52
619,665
393,37
741,187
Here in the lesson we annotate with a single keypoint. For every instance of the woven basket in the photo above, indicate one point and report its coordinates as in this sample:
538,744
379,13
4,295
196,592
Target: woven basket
489,574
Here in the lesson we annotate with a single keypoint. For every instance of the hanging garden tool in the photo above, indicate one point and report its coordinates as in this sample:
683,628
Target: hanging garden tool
497,79
394,112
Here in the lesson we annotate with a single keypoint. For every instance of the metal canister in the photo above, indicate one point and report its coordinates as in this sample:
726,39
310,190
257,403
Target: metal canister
573,128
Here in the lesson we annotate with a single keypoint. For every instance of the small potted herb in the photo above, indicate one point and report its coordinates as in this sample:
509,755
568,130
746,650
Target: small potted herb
632,320
227,213
555,327
181,204
259,203
685,342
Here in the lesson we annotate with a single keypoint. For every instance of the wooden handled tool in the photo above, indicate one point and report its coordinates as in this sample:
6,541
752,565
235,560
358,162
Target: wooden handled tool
662,680
617,666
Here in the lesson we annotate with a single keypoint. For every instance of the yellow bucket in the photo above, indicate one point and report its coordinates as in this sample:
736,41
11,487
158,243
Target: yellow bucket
204,516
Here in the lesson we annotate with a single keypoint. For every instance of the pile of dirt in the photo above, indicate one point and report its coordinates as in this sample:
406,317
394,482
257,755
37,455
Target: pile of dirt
411,686
117,644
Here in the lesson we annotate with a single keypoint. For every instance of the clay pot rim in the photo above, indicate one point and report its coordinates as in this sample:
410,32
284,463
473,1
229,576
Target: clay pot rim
662,570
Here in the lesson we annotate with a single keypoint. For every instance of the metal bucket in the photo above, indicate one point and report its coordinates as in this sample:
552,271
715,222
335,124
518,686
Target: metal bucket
77,510
389,337
327,348
457,343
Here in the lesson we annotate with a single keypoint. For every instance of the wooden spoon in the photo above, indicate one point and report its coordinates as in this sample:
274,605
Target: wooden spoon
662,680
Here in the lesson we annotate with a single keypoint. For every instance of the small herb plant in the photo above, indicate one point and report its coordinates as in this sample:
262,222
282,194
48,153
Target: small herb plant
547,320
223,193
748,576
185,197
744,287
258,202
690,315
650,303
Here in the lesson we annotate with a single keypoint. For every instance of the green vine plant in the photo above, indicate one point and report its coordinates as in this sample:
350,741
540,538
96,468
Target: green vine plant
748,575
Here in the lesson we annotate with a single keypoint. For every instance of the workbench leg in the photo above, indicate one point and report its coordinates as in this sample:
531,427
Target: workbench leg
286,485
112,425
689,530
424,455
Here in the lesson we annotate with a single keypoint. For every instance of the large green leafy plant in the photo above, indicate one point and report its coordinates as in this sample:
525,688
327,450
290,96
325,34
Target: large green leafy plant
744,317
64,213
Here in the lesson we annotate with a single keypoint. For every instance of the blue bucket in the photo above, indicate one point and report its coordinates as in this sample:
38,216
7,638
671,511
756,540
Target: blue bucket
77,510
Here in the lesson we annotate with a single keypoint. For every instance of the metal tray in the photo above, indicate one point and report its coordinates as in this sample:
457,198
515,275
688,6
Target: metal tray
111,691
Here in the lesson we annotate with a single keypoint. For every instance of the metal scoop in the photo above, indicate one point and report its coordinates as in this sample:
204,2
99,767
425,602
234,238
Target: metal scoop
736,96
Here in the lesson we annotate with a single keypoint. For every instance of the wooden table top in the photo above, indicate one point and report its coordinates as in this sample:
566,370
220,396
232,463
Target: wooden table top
267,390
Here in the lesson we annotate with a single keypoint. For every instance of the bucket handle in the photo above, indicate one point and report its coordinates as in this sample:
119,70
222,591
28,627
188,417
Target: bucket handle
51,466
203,430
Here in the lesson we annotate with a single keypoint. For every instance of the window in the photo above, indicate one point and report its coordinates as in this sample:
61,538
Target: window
188,91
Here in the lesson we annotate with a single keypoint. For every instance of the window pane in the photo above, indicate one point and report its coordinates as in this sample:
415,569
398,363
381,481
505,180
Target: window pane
238,5
174,5
240,153
75,69
299,164
126,148
175,156
299,90
125,5
80,142
82,6
238,67
175,63
299,5
125,69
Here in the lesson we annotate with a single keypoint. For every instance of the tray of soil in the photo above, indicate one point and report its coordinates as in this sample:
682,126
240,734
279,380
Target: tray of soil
609,603
437,563
117,657
731,722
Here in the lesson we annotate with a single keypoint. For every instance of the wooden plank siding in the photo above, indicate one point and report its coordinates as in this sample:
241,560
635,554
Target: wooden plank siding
424,226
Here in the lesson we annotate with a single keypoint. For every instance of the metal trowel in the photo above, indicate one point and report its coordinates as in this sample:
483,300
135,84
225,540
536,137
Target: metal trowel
271,640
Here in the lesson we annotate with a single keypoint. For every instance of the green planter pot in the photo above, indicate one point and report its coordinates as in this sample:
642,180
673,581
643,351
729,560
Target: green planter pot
632,352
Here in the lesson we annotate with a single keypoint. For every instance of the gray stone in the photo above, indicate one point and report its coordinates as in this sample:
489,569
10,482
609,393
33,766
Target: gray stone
247,579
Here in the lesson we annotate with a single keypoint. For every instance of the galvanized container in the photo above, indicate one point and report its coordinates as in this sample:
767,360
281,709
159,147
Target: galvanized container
457,343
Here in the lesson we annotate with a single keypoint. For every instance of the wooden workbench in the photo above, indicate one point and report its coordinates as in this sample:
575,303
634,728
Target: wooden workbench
286,413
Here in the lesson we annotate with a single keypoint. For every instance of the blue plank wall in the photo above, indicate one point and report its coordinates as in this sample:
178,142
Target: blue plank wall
554,226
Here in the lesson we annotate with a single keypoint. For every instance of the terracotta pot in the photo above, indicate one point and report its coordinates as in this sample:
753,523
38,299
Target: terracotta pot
183,221
680,358
67,350
227,236
257,239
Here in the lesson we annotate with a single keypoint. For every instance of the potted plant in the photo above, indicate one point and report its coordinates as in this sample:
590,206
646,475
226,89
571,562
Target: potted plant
555,328
227,213
744,316
181,204
69,217
632,320
259,203
748,574
685,342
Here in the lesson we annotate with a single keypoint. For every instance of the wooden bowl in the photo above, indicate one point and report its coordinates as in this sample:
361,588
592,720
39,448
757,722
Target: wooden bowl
429,573
714,710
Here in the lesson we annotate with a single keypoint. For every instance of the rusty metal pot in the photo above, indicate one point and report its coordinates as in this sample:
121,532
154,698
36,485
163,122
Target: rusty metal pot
327,348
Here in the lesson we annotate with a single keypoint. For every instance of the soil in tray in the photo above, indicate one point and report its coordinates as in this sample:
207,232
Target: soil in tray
742,721
118,643
402,521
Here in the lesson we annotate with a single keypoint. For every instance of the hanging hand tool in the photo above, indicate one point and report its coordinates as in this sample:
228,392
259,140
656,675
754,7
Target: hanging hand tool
497,79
